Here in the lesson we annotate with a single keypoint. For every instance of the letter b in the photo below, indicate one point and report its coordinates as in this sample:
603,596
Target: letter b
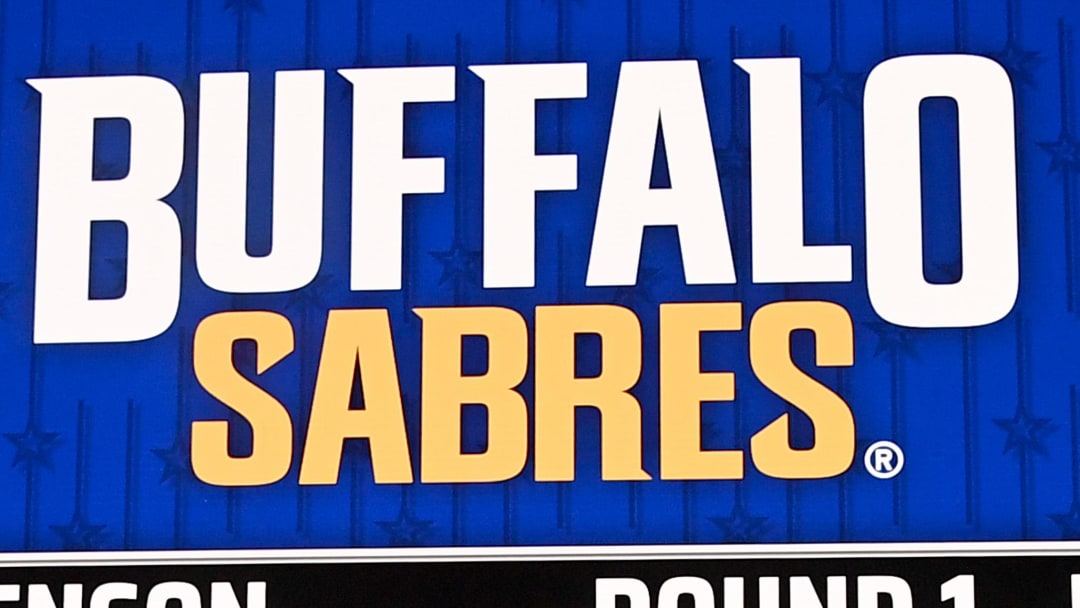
70,200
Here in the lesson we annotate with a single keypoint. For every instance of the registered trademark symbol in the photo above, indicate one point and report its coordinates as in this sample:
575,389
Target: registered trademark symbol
884,459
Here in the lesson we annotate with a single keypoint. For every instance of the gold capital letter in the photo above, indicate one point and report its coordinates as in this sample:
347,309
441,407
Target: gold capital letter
445,390
559,392
683,386
770,356
271,442
357,338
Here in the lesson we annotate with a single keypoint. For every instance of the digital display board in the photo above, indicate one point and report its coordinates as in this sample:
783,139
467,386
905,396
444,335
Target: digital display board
589,287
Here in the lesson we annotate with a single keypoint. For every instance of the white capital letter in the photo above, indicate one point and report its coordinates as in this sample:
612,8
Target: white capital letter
697,588
872,587
899,292
381,175
651,94
222,595
40,596
607,589
70,199
186,594
106,594
804,595
9,593
221,239
513,172
780,254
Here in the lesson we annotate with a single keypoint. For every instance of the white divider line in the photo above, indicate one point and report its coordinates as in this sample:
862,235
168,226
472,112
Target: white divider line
541,553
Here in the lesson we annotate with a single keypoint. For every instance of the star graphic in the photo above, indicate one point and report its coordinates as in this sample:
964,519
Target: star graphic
1020,64
891,339
33,446
641,293
176,460
1069,522
1064,153
406,530
836,85
740,526
80,534
459,263
1025,432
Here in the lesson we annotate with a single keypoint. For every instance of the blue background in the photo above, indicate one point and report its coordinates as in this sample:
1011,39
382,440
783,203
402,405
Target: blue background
94,447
